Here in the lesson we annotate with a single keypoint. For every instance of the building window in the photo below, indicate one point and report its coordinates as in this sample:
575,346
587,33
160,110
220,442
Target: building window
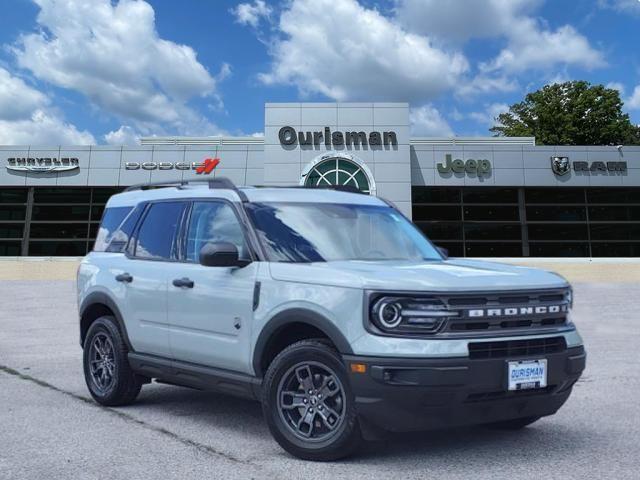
51,221
539,222
338,171
470,221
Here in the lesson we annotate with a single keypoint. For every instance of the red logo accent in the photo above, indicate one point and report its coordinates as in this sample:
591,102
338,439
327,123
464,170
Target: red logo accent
207,166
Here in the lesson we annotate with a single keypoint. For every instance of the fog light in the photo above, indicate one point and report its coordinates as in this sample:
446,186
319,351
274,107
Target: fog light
358,368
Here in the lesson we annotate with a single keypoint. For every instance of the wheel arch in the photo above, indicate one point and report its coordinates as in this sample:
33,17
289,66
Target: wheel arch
96,305
289,320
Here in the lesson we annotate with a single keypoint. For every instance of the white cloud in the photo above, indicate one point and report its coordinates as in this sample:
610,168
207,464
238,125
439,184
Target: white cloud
622,6
616,86
251,14
459,21
532,48
489,116
125,135
17,99
483,84
633,102
26,117
427,121
111,53
530,44
343,50
42,128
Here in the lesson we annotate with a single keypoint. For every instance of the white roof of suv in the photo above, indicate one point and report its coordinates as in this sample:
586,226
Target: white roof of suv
253,194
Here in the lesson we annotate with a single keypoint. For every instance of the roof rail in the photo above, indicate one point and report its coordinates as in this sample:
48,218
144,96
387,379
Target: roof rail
219,182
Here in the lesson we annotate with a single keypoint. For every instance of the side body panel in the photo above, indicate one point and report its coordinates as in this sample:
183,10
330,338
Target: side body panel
142,303
210,324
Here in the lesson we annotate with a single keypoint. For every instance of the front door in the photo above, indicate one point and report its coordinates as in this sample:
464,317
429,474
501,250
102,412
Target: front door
210,309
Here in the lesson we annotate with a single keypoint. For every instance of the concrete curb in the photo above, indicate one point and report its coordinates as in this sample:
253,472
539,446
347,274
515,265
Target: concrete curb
607,270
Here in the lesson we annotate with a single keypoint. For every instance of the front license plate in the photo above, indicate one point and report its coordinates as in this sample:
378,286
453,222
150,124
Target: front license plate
527,374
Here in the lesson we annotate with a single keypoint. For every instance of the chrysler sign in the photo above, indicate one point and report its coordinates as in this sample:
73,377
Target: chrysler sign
42,164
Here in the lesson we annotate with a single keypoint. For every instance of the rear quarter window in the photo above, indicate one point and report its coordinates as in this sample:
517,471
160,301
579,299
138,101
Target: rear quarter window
111,220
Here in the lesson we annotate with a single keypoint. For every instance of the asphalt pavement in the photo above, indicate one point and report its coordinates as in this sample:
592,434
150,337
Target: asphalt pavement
51,429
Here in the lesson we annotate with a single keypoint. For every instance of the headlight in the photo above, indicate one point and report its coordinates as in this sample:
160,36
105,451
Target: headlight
409,314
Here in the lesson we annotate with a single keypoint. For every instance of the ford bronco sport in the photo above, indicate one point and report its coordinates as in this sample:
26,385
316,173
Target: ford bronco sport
329,307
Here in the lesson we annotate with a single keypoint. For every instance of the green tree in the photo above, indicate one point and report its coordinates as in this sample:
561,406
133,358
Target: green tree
570,113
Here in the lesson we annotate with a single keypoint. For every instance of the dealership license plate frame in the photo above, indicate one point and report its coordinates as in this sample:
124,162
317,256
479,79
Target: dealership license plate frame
534,383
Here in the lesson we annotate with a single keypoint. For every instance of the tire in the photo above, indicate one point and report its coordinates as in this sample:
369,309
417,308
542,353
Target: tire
324,426
515,424
111,382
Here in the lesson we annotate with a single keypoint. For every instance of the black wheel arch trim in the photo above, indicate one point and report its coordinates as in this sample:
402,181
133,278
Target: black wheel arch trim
101,298
297,315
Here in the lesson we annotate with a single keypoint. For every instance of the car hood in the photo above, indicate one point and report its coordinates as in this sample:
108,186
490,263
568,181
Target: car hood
448,275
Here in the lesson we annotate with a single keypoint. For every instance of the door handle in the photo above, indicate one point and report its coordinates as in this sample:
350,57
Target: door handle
124,277
183,282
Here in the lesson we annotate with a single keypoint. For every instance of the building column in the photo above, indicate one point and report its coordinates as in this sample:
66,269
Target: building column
524,231
27,223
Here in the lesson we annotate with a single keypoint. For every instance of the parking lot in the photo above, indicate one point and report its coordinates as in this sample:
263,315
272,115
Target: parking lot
49,427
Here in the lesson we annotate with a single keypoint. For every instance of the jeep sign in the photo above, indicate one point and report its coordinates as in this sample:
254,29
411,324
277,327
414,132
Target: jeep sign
470,166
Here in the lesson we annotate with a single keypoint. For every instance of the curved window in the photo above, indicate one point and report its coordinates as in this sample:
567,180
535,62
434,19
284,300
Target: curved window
323,232
338,171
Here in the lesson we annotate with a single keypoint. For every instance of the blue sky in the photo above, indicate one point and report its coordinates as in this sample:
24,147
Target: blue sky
100,71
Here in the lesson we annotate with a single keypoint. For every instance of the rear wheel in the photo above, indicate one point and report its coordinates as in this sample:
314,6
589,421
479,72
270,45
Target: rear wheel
106,369
308,403
515,424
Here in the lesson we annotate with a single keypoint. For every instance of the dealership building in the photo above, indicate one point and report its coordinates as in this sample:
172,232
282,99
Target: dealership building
477,197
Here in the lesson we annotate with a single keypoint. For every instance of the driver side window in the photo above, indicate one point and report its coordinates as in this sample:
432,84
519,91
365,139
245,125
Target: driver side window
213,222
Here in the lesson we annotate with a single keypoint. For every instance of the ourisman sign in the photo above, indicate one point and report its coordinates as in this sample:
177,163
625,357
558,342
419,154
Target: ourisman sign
288,136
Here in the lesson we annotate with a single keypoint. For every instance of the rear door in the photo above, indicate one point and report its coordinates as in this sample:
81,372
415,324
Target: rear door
210,319
143,276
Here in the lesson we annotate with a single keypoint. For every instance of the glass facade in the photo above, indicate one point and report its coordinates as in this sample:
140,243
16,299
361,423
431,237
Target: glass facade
536,222
50,221
468,221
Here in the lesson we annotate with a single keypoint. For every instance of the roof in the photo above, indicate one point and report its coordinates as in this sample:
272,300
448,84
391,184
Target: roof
253,194
449,141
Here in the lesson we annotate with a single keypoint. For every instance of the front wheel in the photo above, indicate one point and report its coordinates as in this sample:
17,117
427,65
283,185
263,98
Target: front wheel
308,403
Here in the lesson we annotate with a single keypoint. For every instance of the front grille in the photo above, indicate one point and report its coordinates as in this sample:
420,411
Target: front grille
516,348
466,324
475,325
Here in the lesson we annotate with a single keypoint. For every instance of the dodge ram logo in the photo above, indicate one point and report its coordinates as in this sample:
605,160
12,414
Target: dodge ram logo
560,165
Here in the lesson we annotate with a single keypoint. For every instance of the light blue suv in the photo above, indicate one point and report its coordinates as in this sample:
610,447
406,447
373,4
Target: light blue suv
330,307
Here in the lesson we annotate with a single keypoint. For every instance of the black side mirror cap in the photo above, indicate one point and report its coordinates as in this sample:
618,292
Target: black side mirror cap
444,252
221,254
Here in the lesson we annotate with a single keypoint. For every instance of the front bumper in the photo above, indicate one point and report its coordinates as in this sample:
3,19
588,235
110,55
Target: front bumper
402,394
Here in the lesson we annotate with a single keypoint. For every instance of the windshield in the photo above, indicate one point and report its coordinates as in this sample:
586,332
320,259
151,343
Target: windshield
322,232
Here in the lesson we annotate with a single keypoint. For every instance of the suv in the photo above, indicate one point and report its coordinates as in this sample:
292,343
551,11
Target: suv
330,307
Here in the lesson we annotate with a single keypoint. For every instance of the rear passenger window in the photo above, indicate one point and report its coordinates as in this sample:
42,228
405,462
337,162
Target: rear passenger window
111,220
120,237
213,222
157,234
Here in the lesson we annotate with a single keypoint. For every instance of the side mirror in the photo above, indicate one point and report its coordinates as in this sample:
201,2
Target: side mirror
444,252
222,254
